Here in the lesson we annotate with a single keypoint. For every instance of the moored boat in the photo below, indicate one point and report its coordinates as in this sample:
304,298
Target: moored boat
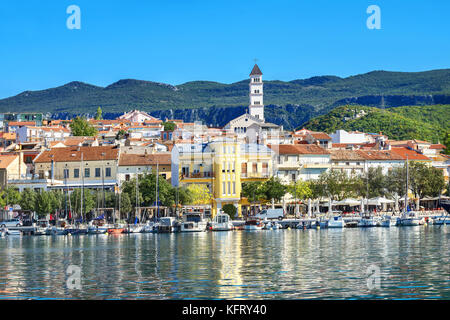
336,222
166,225
369,221
193,222
221,222
253,225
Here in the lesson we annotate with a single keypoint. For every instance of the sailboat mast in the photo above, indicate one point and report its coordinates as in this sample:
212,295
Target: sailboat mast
82,186
157,175
407,184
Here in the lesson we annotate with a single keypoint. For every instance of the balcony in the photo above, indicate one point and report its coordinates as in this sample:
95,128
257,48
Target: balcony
259,175
317,165
290,166
197,175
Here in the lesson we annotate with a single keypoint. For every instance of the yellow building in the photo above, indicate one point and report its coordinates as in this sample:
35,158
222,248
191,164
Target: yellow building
222,166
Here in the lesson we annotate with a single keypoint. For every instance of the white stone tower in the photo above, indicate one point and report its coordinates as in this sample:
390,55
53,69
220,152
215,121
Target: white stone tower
256,108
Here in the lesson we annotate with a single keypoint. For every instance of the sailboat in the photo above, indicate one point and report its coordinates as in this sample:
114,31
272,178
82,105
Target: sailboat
408,218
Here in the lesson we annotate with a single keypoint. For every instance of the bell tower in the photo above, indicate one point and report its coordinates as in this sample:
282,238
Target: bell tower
256,108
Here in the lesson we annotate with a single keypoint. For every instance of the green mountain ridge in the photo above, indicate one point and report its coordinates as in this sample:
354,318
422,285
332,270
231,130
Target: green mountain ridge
429,123
321,92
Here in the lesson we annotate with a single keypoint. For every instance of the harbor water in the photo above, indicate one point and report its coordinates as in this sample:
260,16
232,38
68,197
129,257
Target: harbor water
372,263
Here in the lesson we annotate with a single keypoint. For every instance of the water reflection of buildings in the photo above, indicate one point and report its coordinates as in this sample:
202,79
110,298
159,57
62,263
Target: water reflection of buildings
228,250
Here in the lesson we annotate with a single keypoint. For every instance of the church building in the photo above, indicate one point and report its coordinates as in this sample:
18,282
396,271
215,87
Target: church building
252,123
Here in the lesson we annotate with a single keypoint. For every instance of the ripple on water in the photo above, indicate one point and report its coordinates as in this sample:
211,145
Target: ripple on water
289,264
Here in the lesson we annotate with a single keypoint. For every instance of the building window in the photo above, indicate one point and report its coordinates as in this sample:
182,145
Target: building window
255,167
127,177
229,188
87,172
234,187
223,188
66,173
76,173
108,172
97,172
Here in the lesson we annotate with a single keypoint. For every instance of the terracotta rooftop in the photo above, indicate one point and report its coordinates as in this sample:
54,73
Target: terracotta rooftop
410,154
5,160
128,159
21,123
362,155
74,154
8,135
298,149
438,146
320,135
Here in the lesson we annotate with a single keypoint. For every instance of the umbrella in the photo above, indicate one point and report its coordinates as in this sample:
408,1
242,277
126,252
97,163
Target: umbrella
378,201
362,205
309,208
348,202
330,206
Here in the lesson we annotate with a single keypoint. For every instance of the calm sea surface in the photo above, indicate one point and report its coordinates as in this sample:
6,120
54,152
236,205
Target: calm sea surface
413,263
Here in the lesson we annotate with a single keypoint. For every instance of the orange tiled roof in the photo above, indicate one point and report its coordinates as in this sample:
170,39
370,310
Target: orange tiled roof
410,154
21,123
5,160
438,146
298,149
74,154
127,159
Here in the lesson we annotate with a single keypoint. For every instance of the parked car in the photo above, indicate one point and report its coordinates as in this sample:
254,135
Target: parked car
11,223
270,214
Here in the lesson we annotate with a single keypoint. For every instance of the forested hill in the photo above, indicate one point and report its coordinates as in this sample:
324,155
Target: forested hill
429,123
303,99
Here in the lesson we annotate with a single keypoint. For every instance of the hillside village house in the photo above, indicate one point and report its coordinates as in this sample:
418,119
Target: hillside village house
11,167
132,164
41,134
300,162
358,162
93,167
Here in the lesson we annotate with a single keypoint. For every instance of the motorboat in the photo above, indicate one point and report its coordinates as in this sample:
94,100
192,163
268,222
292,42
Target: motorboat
253,225
369,221
97,229
443,220
55,231
193,222
167,225
271,225
134,228
222,222
116,229
149,227
410,218
336,222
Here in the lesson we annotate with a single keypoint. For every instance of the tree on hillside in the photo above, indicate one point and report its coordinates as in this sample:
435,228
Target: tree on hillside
169,126
98,114
446,142
82,128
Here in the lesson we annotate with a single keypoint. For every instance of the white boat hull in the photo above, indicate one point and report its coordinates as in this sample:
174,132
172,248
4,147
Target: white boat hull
252,227
193,227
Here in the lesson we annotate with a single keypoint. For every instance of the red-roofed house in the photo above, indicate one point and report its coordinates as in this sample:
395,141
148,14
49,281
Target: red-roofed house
300,161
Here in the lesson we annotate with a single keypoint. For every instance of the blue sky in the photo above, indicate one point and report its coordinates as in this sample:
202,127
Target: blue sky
176,41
